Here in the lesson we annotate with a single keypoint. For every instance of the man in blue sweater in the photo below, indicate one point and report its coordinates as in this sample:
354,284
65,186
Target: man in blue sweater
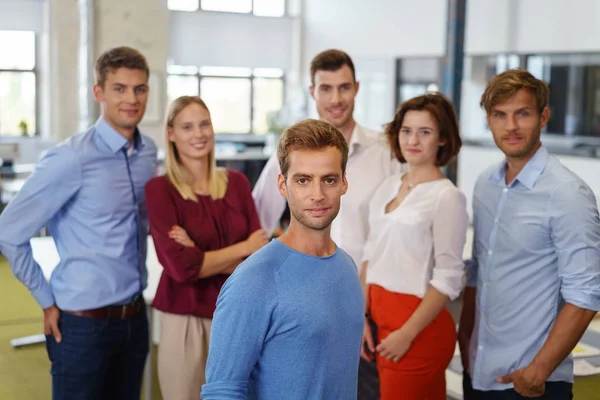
289,321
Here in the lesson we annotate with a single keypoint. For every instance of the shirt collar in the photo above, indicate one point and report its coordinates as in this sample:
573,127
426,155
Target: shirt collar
115,141
358,138
530,172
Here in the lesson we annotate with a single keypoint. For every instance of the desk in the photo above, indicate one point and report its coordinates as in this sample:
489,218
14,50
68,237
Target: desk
45,253
10,187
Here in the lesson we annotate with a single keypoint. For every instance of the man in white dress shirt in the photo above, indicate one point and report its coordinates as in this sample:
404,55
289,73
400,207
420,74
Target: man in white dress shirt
334,88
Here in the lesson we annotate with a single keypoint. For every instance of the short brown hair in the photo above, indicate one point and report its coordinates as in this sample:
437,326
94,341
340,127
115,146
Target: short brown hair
330,60
442,110
310,134
503,86
119,57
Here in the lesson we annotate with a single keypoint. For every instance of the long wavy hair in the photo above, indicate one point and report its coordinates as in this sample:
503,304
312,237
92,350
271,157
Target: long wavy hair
177,173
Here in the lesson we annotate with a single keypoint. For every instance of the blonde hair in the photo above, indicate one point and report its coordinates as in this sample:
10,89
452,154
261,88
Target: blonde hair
177,173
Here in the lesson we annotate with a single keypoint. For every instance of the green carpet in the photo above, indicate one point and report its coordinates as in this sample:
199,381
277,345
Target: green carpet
24,372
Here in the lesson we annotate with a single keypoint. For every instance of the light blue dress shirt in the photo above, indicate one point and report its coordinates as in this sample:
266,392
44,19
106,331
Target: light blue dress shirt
536,246
89,192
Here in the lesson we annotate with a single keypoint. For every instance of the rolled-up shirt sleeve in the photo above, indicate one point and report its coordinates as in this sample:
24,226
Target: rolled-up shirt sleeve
575,230
450,223
270,204
55,180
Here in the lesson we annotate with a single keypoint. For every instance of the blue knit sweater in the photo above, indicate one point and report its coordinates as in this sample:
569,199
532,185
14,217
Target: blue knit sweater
287,326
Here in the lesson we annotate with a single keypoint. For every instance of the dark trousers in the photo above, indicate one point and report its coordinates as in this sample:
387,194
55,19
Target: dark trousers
98,359
554,391
368,378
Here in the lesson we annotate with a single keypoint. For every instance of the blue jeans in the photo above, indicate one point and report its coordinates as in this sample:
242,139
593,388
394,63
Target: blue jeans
554,391
98,359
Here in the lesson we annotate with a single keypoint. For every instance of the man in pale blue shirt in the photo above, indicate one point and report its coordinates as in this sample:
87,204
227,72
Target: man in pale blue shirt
534,280
89,192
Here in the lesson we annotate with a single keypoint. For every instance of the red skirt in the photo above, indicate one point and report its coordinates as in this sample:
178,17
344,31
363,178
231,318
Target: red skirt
421,373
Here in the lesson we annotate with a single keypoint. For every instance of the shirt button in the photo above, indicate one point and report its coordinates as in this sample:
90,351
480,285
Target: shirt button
490,252
480,347
496,221
505,190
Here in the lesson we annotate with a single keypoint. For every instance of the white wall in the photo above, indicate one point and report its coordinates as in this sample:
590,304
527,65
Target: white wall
532,26
374,34
22,15
472,160
392,28
143,25
228,39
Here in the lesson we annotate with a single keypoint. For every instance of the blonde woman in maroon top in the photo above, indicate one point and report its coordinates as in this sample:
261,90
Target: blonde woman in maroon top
204,223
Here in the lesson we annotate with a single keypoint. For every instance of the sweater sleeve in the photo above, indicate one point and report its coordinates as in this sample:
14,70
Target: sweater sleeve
180,263
240,326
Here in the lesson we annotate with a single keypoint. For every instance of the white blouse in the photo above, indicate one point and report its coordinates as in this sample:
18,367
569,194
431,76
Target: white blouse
420,243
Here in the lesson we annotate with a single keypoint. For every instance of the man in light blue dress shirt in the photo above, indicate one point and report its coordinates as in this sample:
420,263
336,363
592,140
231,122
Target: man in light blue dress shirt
89,192
534,280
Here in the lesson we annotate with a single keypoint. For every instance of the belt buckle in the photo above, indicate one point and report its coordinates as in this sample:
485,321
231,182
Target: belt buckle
123,311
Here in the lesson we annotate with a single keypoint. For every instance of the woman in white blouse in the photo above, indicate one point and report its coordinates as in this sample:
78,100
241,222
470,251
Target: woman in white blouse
412,263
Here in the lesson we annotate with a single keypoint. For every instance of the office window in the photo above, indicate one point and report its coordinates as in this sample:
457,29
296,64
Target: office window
415,77
229,102
574,82
269,8
17,83
183,5
238,6
181,85
241,100
267,100
574,101
263,8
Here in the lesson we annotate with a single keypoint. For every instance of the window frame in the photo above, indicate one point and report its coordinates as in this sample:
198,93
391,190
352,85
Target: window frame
402,80
36,102
251,78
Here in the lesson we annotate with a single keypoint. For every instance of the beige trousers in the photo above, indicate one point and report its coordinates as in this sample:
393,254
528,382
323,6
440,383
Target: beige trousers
182,355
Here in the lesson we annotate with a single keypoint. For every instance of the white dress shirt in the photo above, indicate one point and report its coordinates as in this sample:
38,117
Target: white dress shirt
369,162
420,242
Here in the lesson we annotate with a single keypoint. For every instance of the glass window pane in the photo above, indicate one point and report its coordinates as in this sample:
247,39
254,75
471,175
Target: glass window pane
267,101
242,72
183,5
410,90
269,8
228,100
17,49
17,103
181,85
240,6
268,72
182,69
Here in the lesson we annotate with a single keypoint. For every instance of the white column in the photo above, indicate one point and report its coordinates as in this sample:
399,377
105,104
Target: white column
62,30
87,109
143,25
